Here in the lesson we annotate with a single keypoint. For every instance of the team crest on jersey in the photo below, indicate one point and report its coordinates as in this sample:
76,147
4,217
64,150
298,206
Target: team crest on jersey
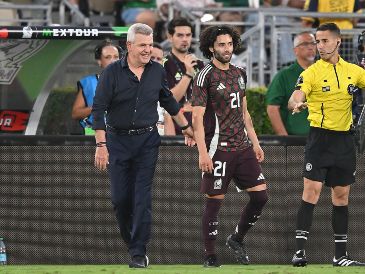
241,83
218,184
299,81
178,76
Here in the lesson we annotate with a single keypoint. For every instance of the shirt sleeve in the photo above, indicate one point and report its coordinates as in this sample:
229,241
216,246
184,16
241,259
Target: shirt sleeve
169,73
360,77
276,92
304,82
103,96
199,95
167,100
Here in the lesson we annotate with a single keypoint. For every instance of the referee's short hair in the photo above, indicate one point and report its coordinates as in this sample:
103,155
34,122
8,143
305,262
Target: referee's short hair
332,27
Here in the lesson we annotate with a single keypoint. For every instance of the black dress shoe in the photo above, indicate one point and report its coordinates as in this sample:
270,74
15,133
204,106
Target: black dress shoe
138,262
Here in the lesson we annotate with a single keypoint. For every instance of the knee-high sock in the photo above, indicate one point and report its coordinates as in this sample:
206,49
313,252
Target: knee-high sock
210,224
340,215
304,222
251,213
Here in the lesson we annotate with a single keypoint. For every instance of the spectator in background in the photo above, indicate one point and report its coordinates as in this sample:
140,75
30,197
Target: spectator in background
342,6
140,11
165,123
181,66
157,53
282,87
104,53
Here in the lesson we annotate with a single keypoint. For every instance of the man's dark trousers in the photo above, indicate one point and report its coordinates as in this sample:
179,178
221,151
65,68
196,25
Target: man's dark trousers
132,162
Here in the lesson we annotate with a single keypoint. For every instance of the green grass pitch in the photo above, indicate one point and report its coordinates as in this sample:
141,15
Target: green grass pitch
177,269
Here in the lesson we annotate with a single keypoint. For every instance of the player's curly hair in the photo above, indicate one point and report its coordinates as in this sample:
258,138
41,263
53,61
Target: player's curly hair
209,36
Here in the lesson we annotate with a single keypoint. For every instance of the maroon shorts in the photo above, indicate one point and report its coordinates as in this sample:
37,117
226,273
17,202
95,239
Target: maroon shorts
241,166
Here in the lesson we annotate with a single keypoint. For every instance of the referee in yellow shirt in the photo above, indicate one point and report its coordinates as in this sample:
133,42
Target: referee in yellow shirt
326,88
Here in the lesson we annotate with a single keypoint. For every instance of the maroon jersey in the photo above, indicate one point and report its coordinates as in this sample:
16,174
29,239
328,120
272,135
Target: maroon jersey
221,92
175,69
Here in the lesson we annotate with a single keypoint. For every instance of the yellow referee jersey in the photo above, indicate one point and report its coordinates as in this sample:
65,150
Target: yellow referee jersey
326,88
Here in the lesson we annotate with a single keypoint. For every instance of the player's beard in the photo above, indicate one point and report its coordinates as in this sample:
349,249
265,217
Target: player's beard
183,49
221,58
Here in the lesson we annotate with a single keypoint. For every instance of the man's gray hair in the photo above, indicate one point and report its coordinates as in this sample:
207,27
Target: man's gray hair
138,28
296,41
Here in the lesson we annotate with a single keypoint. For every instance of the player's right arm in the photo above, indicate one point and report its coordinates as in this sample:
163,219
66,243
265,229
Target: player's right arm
79,108
205,162
303,87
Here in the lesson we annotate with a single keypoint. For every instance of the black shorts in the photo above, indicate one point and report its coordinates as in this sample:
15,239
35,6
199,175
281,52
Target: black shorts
330,157
241,166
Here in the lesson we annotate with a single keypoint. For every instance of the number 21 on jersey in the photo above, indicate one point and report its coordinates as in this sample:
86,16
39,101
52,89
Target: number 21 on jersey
235,101
220,169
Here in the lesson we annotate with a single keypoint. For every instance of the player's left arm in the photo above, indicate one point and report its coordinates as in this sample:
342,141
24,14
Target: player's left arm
251,131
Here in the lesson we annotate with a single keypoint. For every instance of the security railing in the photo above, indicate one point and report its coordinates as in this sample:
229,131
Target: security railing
74,10
270,26
44,13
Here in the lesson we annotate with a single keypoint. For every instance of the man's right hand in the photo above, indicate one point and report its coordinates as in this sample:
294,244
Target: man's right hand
190,61
298,107
205,163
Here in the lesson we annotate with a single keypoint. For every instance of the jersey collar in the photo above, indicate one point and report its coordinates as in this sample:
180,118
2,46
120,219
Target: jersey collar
326,64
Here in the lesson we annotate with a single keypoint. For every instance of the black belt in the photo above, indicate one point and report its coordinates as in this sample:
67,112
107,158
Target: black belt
137,131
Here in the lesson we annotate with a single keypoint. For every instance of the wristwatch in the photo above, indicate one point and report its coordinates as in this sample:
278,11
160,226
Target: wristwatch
185,127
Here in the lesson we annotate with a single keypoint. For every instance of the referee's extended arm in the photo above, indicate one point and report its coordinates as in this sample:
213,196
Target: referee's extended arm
297,102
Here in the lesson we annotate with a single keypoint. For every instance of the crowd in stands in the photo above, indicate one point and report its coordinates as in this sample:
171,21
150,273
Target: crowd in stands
155,13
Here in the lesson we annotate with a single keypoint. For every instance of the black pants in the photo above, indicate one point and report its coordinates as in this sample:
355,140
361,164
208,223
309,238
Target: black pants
132,162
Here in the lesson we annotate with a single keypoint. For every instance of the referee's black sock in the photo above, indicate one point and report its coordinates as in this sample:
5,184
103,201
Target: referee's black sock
340,217
210,224
304,222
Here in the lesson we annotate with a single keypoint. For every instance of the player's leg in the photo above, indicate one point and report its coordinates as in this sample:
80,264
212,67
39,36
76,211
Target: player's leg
340,214
248,175
340,177
311,192
210,228
252,211
214,185
317,159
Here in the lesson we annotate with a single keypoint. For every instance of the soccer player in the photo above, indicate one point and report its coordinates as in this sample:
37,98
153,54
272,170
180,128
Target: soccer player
326,88
227,143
